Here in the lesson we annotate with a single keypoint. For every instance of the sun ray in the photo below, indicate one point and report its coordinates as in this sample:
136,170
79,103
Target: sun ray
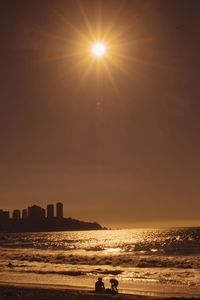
134,42
120,68
86,20
110,76
51,35
109,29
74,28
117,34
99,20
63,56
141,61
85,74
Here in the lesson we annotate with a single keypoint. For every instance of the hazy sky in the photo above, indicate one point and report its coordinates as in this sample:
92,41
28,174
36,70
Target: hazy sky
121,149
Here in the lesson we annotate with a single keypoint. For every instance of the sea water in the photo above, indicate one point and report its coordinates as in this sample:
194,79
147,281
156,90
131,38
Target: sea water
145,261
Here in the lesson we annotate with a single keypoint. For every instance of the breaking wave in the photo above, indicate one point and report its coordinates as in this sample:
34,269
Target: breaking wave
123,260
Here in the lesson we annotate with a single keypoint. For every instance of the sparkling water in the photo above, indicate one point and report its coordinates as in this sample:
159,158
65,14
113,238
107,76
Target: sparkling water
145,261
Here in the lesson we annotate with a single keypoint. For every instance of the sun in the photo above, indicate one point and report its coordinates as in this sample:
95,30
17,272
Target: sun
98,49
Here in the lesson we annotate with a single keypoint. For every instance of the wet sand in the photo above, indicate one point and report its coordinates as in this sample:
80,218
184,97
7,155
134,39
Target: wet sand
9,292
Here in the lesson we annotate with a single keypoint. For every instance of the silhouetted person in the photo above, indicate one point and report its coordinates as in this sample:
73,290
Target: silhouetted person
99,286
114,284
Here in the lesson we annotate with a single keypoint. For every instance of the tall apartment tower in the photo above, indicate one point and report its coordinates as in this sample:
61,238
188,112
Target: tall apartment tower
43,213
16,214
50,211
6,215
35,213
24,214
59,210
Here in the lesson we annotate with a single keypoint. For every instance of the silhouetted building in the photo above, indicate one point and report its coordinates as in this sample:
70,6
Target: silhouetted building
24,214
50,211
16,214
4,220
6,215
33,220
43,213
1,216
35,212
59,210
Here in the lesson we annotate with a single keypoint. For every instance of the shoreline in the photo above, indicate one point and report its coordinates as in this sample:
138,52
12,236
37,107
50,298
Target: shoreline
11,291
154,290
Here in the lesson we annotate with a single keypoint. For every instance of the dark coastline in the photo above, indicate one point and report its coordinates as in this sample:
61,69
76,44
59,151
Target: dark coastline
47,225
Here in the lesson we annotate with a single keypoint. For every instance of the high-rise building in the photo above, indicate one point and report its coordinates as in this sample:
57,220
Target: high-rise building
50,211
1,215
59,210
24,214
35,212
43,213
16,214
6,215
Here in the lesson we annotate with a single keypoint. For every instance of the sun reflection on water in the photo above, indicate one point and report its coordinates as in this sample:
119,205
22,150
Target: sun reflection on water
133,256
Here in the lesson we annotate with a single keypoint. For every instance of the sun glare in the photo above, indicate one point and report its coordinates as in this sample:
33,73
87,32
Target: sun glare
98,49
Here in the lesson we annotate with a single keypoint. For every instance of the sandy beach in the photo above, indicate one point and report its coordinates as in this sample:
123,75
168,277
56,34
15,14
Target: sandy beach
20,292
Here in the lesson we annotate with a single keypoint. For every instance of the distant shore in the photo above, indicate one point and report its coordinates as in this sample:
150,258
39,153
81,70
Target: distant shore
19,292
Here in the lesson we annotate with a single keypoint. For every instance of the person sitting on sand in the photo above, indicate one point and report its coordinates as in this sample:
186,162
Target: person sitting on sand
114,284
99,286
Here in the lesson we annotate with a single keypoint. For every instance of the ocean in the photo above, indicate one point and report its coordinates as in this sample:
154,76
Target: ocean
145,261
